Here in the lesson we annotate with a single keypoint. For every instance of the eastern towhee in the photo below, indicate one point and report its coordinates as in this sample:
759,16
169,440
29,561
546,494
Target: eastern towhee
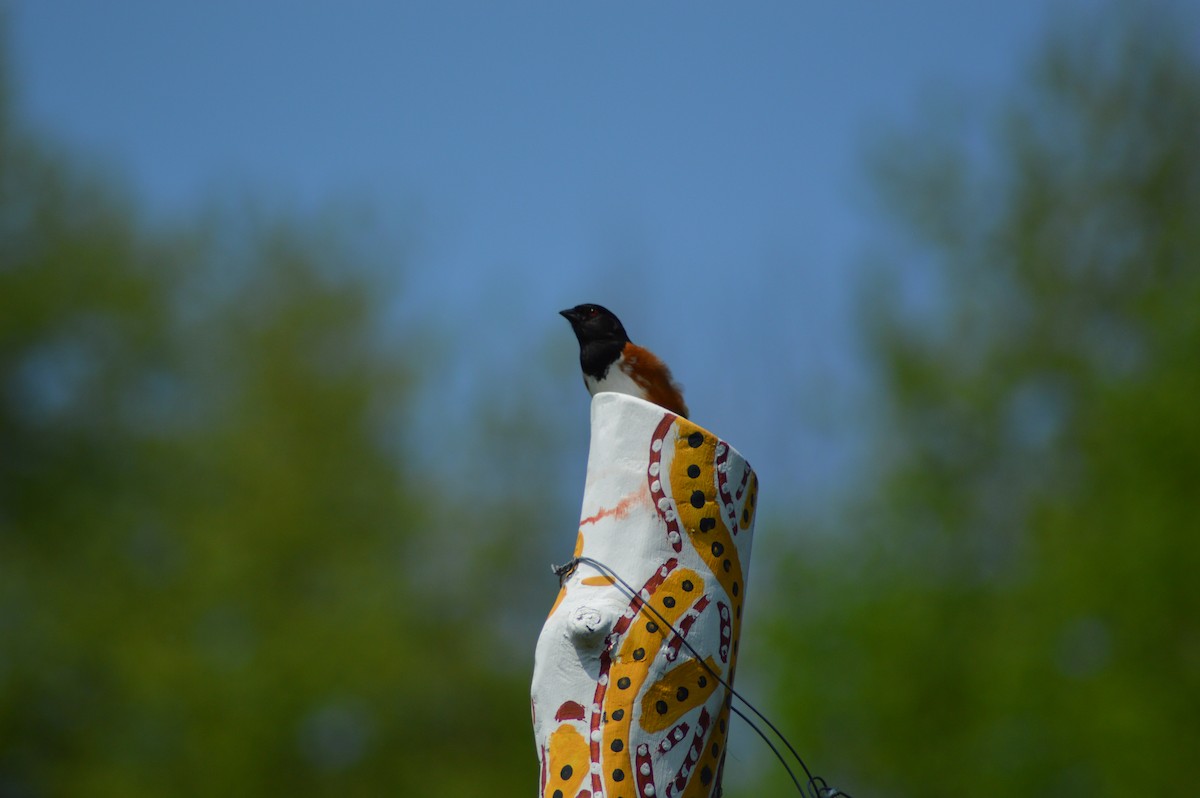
611,362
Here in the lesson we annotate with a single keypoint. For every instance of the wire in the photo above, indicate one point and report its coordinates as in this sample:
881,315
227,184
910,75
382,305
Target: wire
817,785
770,745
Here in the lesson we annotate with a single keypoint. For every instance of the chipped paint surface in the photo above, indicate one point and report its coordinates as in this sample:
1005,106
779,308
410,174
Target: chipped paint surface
622,707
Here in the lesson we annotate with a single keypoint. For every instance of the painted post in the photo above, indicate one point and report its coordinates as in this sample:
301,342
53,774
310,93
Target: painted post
622,707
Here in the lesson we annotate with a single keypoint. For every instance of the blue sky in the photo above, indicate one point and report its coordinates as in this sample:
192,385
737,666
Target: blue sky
698,167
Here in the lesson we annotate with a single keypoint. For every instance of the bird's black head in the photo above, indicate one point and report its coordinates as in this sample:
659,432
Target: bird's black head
595,324
601,337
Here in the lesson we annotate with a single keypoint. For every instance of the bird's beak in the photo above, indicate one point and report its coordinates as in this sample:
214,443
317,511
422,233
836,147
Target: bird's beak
569,314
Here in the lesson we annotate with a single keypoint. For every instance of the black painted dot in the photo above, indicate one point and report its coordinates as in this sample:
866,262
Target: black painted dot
716,750
706,775
693,471
651,627
697,499
639,654
623,682
745,516
738,612
617,746
707,523
687,585
721,724
660,707
727,565
681,694
717,548
696,440
618,714
566,772
669,602
734,589
558,794
618,775
702,682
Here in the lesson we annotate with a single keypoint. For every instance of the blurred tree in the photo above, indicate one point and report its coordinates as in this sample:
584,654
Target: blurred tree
213,577
1016,611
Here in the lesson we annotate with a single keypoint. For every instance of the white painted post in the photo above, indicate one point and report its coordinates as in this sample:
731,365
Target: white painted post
622,707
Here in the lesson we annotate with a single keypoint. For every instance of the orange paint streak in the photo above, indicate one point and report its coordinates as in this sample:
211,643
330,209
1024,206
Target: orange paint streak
620,511
562,594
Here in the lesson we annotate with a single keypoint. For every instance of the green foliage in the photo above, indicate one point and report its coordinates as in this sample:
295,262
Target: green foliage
1016,612
211,552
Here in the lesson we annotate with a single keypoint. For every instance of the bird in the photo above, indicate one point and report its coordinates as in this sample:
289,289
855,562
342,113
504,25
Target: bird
611,362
